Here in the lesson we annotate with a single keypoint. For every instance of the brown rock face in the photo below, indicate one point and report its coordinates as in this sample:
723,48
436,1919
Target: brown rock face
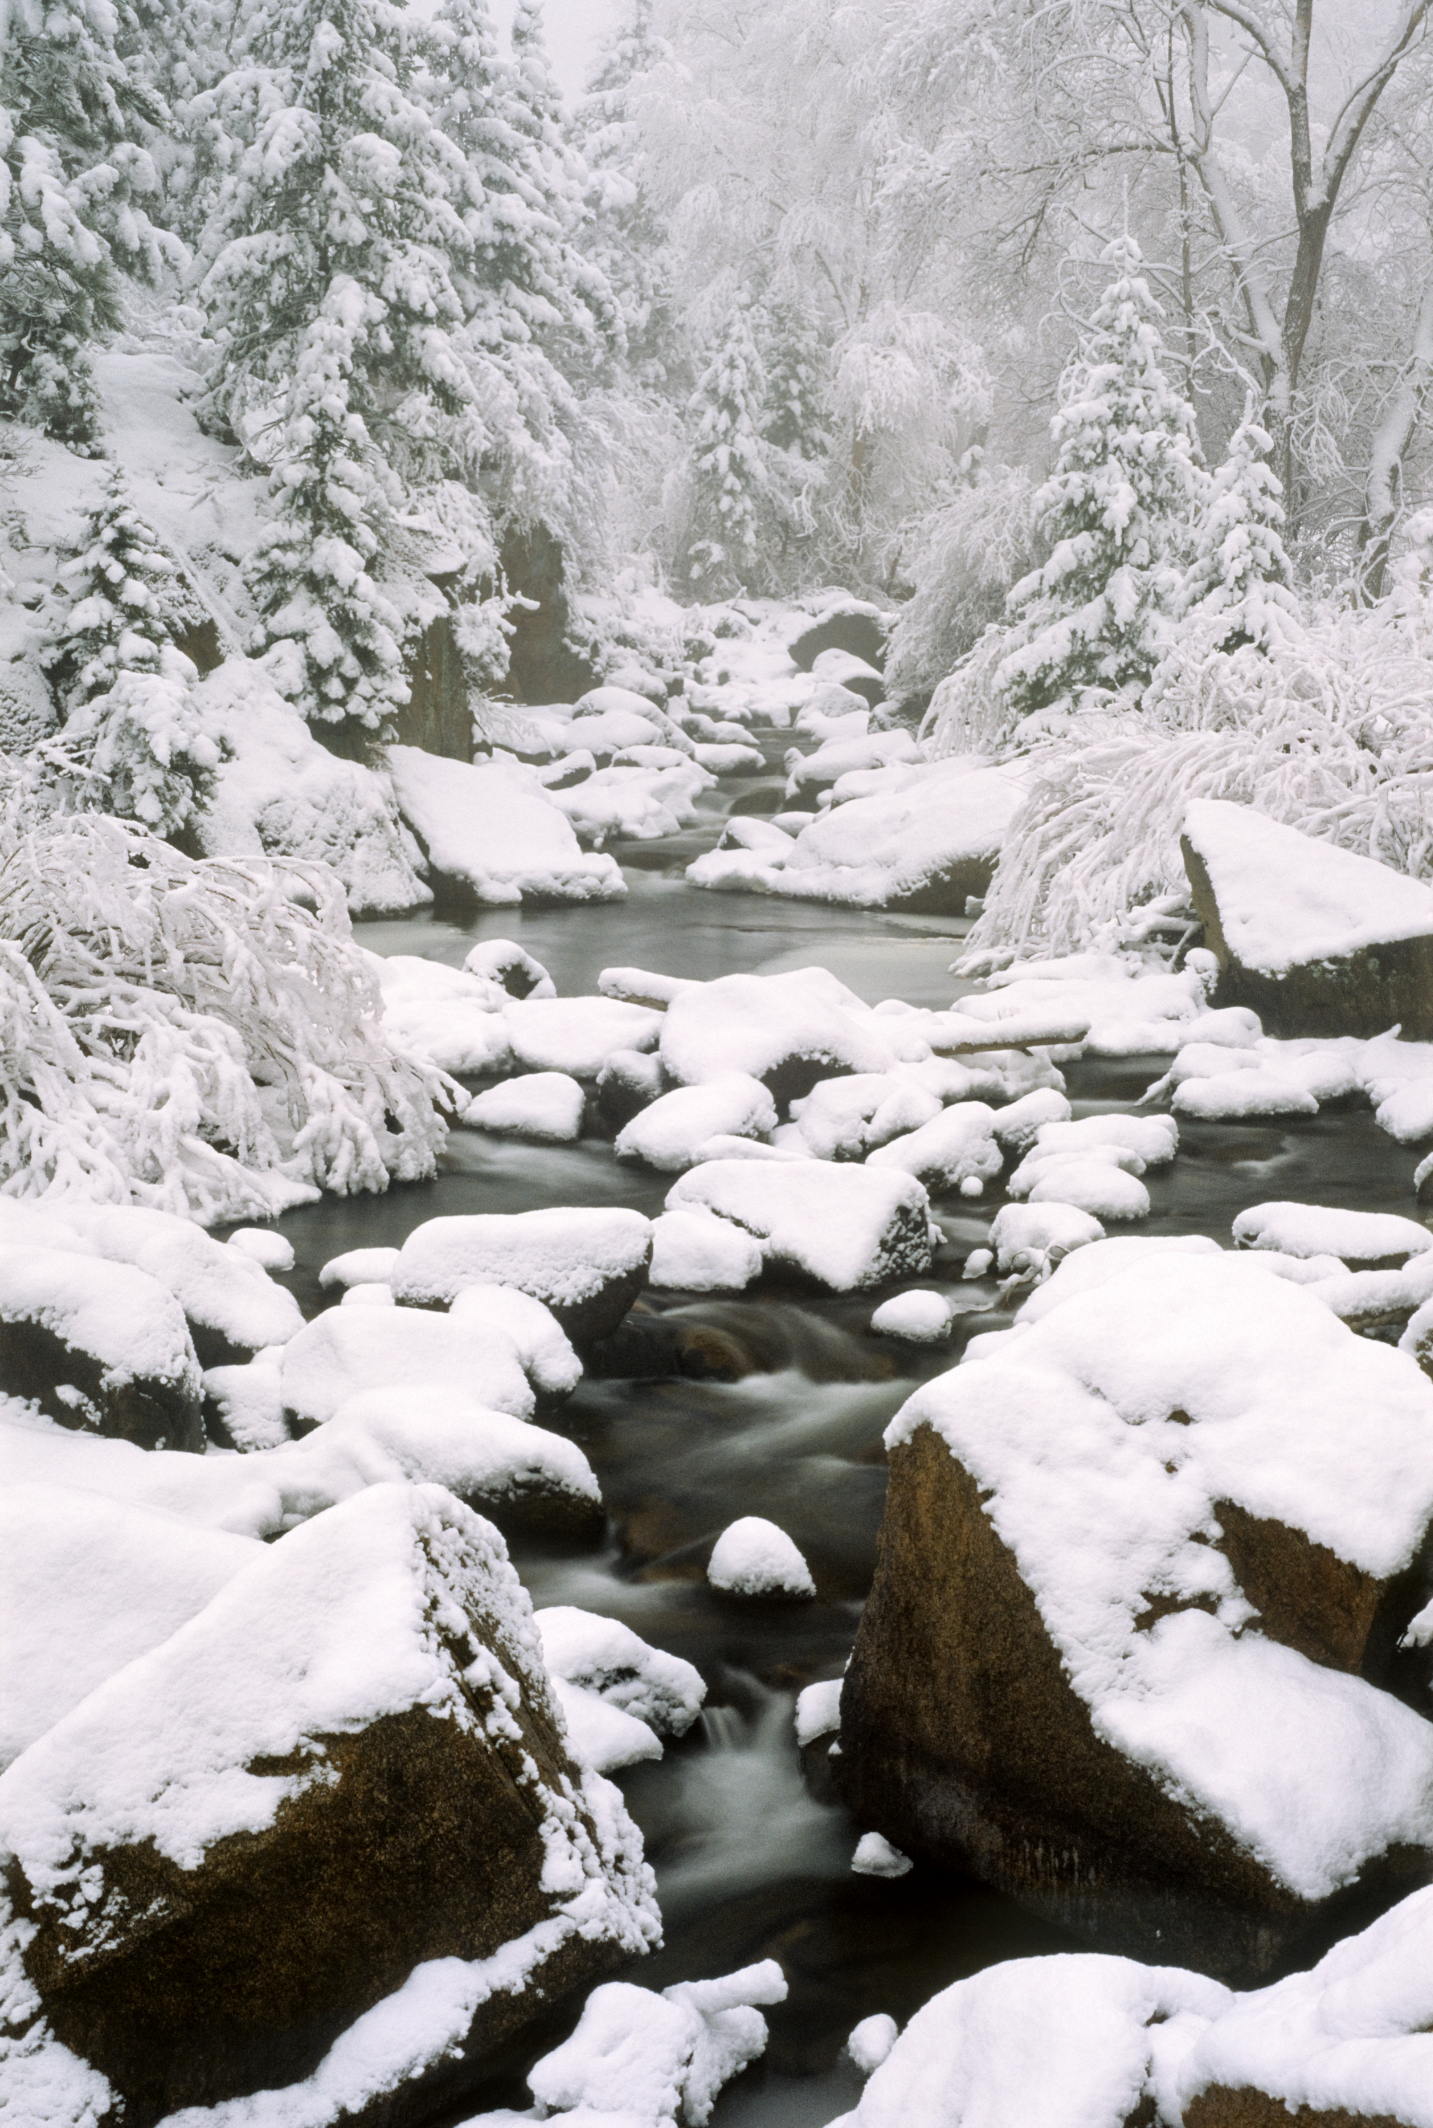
543,664
962,1738
1223,2108
1363,993
437,715
416,1836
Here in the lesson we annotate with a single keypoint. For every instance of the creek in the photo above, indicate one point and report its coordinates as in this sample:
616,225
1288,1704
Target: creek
753,1861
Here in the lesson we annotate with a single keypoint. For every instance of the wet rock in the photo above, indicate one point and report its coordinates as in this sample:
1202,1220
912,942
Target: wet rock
345,1771
99,1346
1314,939
841,1229
437,715
1142,1570
544,664
855,627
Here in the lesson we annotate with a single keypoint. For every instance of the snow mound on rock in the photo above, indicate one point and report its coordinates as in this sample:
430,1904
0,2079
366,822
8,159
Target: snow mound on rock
844,1227
495,830
752,1557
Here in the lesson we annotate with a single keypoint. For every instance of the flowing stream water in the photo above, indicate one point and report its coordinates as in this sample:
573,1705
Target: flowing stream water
752,1860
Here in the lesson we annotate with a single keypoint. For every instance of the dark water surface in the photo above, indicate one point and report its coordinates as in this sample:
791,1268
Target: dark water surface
750,1861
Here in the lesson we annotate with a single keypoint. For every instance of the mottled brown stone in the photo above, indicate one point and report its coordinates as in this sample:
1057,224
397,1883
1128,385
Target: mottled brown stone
71,1386
962,1740
186,1986
1221,2107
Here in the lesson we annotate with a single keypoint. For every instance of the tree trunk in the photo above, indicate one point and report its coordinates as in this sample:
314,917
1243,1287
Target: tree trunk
1394,434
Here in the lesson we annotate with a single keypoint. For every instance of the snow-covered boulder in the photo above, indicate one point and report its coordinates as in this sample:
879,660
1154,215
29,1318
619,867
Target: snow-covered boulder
789,1031
957,1149
232,1306
1034,1237
842,1228
1350,2042
853,626
449,1015
492,830
695,1252
547,1106
91,1583
101,1346
619,1697
921,1317
1317,940
754,1557
341,1785
278,791
924,846
671,1134
809,774
1160,1536
577,1035
1065,2042
635,800
844,1119
586,1266
1371,1240
348,1350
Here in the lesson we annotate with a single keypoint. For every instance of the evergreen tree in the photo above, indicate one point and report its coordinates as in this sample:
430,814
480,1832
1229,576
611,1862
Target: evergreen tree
795,362
622,235
1237,588
132,741
522,275
74,179
334,244
1097,615
728,463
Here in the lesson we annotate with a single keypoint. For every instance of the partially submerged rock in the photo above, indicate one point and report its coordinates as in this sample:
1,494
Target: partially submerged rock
99,1346
1316,940
345,1773
844,1228
1143,1567
586,1266
491,829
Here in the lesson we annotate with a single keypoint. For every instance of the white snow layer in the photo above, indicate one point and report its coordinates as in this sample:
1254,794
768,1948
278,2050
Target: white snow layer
921,1317
618,1696
844,1227
496,830
1285,899
671,1133
695,1252
1102,1496
875,851
752,1557
561,1257
544,1105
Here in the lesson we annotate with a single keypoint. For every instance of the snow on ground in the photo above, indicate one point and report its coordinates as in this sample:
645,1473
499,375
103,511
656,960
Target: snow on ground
1102,1496
1285,899
753,1557
277,790
886,850
494,830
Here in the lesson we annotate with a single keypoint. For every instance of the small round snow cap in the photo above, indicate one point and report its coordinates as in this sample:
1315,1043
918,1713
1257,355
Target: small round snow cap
753,1557
922,1317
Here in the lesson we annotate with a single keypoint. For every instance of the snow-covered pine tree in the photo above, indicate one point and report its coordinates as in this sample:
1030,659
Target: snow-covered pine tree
333,246
75,176
1096,616
520,195
1238,586
729,476
132,741
794,360
623,235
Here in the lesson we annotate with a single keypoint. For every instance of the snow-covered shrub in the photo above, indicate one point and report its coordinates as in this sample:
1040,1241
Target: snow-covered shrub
188,1035
1095,617
1332,735
132,742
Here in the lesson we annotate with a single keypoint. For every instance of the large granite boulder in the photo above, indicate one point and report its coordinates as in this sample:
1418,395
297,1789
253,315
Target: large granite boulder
331,1822
1315,939
1145,1561
99,1346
